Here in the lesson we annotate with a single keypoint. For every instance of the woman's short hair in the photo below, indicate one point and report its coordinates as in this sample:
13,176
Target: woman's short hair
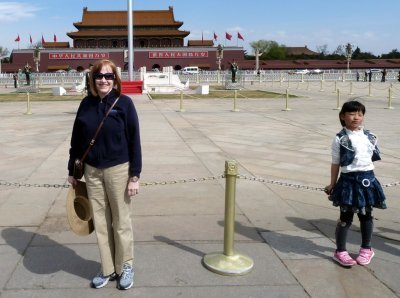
349,107
96,68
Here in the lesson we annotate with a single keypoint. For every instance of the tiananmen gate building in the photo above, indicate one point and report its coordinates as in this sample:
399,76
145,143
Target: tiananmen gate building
157,37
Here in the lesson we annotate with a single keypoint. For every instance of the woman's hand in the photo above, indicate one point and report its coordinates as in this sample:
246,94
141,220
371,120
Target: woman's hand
72,181
133,188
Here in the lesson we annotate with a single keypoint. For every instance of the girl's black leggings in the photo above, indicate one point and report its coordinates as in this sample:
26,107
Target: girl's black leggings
346,219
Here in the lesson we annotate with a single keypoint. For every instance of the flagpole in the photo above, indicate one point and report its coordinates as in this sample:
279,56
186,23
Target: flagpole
130,41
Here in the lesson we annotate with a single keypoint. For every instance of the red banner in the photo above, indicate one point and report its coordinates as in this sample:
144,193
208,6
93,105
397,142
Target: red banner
176,54
78,55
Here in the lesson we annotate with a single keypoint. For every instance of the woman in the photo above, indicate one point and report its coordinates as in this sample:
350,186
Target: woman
112,170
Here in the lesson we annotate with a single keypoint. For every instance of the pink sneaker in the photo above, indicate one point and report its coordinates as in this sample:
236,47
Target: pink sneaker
365,256
344,259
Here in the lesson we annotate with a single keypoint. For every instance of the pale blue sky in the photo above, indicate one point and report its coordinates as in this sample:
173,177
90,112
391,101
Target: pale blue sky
370,24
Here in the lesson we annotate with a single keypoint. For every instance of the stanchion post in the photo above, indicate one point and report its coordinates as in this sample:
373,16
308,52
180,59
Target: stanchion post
351,88
229,262
28,105
337,99
181,109
369,89
234,101
287,101
321,89
335,87
390,100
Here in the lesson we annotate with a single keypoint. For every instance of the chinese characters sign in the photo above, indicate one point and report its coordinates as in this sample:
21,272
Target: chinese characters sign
176,54
78,55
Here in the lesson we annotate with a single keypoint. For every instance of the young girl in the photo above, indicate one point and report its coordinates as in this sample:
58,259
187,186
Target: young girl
357,191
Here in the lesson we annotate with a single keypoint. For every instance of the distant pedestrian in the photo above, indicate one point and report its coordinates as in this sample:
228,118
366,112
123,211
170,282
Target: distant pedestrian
15,77
365,76
370,75
358,76
398,77
354,149
27,71
383,75
87,80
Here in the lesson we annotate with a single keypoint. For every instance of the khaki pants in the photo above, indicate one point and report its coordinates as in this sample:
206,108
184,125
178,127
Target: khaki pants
111,211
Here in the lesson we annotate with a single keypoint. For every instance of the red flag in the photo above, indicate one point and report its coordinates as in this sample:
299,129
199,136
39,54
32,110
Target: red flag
240,36
43,40
228,36
18,39
30,38
55,38
215,36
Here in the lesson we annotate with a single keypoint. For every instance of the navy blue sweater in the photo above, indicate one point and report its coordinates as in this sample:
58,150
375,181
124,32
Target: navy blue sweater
118,140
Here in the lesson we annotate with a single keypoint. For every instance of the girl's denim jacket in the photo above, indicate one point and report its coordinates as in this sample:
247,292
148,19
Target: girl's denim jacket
347,152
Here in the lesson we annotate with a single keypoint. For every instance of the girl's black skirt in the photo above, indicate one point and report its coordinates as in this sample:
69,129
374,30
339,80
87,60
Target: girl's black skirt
358,192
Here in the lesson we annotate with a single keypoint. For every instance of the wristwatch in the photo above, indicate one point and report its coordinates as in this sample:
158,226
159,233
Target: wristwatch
134,179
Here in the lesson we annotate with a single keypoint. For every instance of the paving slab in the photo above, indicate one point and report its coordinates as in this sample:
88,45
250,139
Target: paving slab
179,214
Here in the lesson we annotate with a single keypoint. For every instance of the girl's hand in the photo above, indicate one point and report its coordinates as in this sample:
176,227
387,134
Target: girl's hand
133,188
328,189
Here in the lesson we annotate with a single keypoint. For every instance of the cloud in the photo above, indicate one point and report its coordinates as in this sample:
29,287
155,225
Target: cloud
16,11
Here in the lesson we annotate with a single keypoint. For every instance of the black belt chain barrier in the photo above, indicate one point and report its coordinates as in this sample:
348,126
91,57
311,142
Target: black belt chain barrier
191,180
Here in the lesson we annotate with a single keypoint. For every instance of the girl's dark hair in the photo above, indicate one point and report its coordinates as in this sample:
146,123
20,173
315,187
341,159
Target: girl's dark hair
349,107
96,68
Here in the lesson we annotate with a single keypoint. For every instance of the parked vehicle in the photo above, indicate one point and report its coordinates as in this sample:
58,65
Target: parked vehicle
316,71
190,70
299,71
375,70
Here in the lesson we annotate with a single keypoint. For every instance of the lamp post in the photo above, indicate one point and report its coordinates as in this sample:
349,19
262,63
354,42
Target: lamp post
36,58
220,55
349,52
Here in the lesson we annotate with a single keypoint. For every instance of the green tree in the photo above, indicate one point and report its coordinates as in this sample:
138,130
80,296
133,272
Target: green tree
269,49
3,51
358,54
276,52
323,50
394,54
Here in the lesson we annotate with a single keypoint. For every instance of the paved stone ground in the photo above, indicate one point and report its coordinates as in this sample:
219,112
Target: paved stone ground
287,231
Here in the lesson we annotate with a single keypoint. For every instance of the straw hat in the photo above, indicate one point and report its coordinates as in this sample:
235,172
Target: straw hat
78,210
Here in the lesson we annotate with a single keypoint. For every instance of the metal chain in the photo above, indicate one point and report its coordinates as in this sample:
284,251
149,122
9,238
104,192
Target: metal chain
20,184
191,180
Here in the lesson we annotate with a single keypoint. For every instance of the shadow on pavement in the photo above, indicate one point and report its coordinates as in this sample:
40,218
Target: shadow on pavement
48,259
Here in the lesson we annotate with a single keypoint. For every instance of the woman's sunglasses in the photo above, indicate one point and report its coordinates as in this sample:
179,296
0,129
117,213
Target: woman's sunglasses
107,76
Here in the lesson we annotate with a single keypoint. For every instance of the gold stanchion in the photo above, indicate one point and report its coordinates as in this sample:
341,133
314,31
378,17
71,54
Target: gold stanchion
287,101
369,89
322,89
351,88
229,262
181,109
335,87
28,105
234,101
337,99
390,100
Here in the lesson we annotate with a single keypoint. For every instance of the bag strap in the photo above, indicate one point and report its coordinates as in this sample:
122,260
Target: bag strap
97,131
